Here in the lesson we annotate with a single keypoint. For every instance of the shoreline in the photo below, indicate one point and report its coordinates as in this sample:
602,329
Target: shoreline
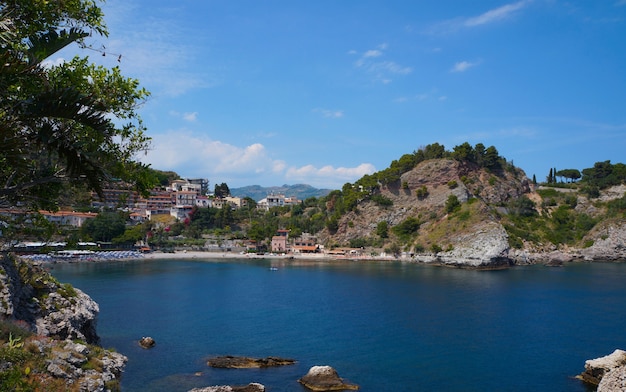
196,255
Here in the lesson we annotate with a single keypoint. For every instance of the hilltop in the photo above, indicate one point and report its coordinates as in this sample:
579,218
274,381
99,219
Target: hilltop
453,209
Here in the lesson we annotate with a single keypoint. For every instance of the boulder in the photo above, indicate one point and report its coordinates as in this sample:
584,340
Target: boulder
252,387
325,378
232,362
147,342
595,369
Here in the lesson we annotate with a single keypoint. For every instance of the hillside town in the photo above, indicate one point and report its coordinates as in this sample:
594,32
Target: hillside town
172,203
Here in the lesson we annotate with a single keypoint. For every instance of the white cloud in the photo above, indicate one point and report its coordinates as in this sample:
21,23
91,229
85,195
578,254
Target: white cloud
187,116
326,113
463,66
336,176
491,16
496,14
191,117
192,155
372,53
381,69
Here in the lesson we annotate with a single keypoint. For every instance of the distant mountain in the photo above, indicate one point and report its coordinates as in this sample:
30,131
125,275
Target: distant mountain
301,191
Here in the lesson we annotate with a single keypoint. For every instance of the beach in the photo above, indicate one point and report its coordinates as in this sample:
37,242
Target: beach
235,255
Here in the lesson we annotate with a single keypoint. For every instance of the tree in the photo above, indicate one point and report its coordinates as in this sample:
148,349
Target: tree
570,174
491,159
221,190
452,203
382,229
73,123
464,152
550,178
105,226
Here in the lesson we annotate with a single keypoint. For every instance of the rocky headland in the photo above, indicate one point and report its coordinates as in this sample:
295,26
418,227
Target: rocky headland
608,373
500,219
52,339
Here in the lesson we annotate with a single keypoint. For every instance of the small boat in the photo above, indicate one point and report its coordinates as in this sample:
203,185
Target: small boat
273,269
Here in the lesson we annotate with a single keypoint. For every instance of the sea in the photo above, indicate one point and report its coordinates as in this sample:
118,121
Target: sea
385,326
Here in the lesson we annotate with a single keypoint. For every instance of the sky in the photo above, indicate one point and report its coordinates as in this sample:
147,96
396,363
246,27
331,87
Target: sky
322,92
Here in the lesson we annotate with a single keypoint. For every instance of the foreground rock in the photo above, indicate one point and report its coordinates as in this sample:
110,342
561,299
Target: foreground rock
87,367
325,378
60,339
614,381
252,387
597,369
231,362
30,294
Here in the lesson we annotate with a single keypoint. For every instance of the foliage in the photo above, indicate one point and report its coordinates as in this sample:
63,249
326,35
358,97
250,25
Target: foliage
164,178
221,190
382,201
570,174
64,124
522,206
484,157
617,207
382,229
105,226
407,228
421,192
604,174
362,242
452,204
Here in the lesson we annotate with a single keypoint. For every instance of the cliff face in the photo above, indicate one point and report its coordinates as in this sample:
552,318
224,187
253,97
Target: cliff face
31,294
62,320
475,234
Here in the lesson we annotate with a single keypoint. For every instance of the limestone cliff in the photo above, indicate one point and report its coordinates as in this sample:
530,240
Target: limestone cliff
485,229
60,344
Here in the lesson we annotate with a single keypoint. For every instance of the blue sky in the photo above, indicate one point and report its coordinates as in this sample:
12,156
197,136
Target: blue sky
322,92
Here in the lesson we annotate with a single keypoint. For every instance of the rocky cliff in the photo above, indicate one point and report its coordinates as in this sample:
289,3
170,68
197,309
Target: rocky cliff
483,230
58,323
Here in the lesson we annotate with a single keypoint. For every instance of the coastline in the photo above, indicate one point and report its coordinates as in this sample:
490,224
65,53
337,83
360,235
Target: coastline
198,255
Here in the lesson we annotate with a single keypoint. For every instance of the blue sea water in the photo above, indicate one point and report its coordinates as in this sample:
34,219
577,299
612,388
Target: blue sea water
384,326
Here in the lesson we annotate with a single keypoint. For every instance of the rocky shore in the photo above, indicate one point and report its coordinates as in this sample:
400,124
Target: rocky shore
58,344
608,373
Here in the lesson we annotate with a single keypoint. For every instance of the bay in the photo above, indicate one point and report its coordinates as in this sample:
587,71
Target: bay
385,326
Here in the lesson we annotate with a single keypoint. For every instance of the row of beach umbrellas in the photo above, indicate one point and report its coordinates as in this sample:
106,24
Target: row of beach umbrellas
93,256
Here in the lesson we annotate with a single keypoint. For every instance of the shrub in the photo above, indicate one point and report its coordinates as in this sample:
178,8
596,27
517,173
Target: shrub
382,201
406,228
452,184
452,203
421,192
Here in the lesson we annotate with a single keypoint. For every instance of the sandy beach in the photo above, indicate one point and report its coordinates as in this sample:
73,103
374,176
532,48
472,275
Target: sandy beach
234,255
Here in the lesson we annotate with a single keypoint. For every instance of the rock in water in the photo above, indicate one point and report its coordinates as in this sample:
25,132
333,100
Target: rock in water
231,362
325,378
596,369
147,342
252,387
